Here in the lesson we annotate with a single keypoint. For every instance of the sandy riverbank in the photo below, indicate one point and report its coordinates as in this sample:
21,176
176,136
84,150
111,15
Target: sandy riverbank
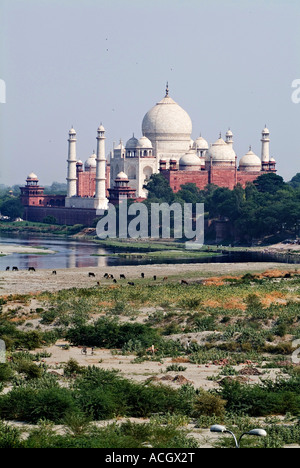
25,282
9,249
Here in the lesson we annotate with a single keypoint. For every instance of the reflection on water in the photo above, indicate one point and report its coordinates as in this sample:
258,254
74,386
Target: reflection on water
68,253
77,254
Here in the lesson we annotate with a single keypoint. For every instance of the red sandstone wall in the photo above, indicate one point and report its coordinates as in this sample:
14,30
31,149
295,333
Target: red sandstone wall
178,178
65,216
244,177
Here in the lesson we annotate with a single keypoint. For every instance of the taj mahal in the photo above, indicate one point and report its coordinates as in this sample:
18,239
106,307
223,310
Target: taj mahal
165,146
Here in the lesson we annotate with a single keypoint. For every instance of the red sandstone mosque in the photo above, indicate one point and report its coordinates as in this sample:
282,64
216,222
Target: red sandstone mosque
166,146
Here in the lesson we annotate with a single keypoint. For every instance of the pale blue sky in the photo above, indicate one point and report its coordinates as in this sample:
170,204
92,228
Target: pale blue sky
229,63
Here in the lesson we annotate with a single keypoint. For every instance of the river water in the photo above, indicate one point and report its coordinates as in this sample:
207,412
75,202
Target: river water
71,253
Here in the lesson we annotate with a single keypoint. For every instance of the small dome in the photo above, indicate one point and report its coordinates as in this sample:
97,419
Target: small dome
132,143
266,130
122,176
190,161
144,142
200,143
72,131
91,161
220,151
32,176
229,133
272,160
101,128
79,162
250,162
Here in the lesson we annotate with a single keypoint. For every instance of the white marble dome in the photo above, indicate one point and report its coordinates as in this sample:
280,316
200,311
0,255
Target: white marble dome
190,162
250,162
200,143
220,152
144,142
32,176
132,143
167,118
122,176
91,162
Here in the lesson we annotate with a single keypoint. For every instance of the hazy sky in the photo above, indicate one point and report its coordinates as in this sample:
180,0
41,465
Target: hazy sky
229,63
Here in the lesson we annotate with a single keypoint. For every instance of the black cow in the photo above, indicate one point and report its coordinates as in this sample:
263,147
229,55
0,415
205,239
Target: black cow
15,268
91,275
143,275
122,277
131,283
31,269
54,272
7,268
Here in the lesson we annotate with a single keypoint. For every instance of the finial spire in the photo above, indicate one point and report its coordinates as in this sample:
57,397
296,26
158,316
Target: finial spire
167,89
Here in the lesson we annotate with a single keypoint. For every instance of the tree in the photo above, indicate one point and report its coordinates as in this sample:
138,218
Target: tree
12,207
269,183
159,189
295,181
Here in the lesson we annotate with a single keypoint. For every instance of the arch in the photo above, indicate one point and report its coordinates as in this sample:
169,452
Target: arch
147,171
131,172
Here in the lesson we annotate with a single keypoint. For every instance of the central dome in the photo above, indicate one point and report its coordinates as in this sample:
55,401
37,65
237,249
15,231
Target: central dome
166,118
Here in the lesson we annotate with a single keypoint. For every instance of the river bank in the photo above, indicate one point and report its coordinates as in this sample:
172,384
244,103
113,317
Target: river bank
25,282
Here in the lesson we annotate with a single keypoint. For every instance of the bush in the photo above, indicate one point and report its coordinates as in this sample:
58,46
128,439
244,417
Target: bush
207,404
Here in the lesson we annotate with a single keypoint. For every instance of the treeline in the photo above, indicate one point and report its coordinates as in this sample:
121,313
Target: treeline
269,206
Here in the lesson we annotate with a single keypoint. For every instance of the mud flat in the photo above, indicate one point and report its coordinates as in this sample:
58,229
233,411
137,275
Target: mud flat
25,282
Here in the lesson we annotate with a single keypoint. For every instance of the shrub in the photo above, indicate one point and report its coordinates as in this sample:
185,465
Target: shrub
207,404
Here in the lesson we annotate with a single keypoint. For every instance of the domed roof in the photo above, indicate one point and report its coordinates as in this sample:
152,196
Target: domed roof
265,130
132,143
91,161
190,159
200,143
250,160
101,128
221,151
122,176
272,160
167,118
144,142
32,176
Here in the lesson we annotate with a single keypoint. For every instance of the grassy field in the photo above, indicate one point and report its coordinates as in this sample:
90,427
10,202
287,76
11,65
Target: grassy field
215,351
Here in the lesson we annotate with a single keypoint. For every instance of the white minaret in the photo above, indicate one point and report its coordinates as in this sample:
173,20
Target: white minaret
265,149
229,137
72,176
100,196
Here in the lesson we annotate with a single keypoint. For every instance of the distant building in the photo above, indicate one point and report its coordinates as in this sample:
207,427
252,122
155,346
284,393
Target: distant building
166,146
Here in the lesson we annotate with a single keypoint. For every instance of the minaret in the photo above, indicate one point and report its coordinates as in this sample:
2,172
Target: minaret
101,201
72,171
229,137
265,149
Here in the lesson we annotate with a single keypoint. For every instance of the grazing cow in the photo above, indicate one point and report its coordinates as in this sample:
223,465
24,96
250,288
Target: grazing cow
106,275
131,283
91,275
31,269
184,282
154,277
122,277
115,280
98,283
143,275
165,278
7,268
54,273
15,268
